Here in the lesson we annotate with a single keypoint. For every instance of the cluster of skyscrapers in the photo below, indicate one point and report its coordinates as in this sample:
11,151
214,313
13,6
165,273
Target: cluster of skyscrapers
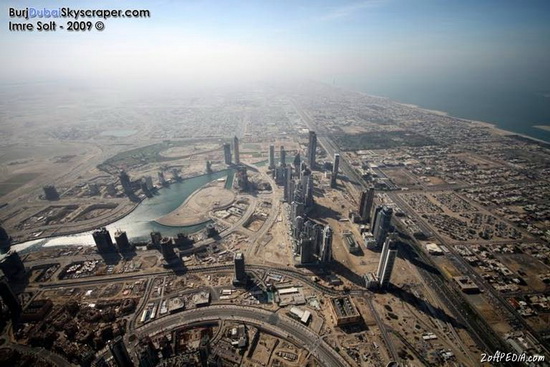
312,242
227,152
379,218
105,244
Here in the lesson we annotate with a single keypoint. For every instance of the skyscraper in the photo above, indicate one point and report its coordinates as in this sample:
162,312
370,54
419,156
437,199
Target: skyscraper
12,266
288,184
5,241
365,204
8,296
271,156
297,164
240,271
125,181
283,156
227,153
311,149
122,242
167,249
103,241
120,353
236,150
298,225
325,255
241,178
382,225
307,250
156,237
162,180
335,167
387,260
309,190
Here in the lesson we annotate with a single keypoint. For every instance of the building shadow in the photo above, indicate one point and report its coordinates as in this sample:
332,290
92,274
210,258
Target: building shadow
422,305
407,252
342,270
128,254
321,212
110,258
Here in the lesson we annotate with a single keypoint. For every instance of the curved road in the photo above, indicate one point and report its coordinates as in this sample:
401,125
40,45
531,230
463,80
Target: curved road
274,323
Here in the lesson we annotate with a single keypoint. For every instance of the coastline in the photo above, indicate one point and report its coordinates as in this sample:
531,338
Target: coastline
492,126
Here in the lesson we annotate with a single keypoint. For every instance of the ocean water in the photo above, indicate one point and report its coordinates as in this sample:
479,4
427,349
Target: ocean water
507,106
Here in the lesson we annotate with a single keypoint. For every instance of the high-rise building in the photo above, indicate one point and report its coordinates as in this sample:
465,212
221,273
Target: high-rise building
236,150
297,209
122,242
162,180
365,204
288,184
335,167
309,191
297,163
325,255
241,178
8,296
156,237
382,225
271,156
298,226
307,251
204,350
12,266
5,241
311,149
149,183
387,260
282,156
240,271
103,241
120,353
50,193
125,181
176,174
373,217
167,250
227,153
146,353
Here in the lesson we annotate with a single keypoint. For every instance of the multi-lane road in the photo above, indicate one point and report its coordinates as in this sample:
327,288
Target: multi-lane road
271,322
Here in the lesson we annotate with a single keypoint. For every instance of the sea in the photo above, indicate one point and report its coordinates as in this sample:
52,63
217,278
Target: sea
511,108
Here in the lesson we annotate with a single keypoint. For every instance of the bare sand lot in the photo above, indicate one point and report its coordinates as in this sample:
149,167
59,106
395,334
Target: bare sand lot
196,208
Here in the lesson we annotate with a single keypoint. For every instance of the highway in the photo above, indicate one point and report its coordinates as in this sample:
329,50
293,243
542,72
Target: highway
484,332
331,148
389,345
273,323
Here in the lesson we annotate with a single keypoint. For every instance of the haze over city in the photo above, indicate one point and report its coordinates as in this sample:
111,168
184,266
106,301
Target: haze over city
275,183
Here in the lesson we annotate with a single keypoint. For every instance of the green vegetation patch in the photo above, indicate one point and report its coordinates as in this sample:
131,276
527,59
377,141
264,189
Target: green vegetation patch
381,140
139,156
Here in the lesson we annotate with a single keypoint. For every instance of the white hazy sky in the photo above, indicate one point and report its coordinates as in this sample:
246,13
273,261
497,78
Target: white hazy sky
192,41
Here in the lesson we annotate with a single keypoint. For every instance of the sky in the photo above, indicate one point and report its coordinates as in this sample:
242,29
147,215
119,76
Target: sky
192,41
